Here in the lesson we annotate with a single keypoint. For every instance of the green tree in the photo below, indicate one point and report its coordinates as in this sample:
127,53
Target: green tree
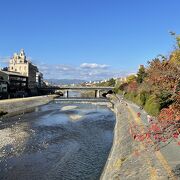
175,57
131,78
177,38
112,82
141,74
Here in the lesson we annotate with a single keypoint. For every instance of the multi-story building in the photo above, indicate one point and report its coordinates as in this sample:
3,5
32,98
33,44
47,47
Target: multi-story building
3,88
19,63
15,82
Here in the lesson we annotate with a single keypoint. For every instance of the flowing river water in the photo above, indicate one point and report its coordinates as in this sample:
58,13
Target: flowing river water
56,141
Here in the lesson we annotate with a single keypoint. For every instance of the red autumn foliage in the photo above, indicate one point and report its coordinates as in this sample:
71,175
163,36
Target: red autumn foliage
167,114
163,75
138,114
132,86
156,134
157,90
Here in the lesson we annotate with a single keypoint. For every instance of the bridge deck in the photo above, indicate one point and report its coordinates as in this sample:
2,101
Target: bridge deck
78,88
75,99
86,88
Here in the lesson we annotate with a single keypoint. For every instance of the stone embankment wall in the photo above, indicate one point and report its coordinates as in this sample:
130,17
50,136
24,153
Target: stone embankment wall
129,159
14,106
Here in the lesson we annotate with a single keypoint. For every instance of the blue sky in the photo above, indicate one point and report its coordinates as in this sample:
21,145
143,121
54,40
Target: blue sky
88,39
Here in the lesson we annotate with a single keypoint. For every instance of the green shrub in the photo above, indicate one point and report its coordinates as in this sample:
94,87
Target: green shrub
144,96
131,96
118,91
141,98
152,105
165,99
138,100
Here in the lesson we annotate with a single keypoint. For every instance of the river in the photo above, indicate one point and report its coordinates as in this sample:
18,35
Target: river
56,141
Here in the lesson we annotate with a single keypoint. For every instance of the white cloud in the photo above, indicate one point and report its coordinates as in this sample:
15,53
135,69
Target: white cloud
63,67
4,60
94,66
85,71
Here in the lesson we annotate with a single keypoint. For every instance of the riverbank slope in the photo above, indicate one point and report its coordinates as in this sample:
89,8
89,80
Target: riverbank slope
14,106
128,159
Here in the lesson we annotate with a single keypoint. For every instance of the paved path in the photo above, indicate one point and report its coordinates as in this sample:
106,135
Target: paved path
169,156
129,159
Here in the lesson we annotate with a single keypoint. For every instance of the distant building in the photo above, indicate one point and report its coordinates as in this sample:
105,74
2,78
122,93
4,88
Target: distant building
20,64
47,83
39,79
120,80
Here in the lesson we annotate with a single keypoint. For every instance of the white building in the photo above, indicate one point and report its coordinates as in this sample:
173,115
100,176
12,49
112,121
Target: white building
19,63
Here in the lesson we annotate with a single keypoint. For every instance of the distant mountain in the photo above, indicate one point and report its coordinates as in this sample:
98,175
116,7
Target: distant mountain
65,81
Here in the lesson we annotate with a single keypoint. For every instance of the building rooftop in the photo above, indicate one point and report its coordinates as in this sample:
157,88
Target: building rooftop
12,73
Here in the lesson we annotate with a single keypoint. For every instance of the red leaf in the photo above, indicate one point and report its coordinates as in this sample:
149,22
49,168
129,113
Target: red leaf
175,135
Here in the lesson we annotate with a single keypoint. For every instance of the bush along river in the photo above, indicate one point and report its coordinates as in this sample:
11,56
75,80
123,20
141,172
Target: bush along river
56,141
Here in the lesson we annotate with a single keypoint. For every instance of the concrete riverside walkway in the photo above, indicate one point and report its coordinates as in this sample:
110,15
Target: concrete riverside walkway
170,152
128,160
13,106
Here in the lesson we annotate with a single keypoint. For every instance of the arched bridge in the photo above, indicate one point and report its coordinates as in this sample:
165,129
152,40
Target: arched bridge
81,88
96,89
